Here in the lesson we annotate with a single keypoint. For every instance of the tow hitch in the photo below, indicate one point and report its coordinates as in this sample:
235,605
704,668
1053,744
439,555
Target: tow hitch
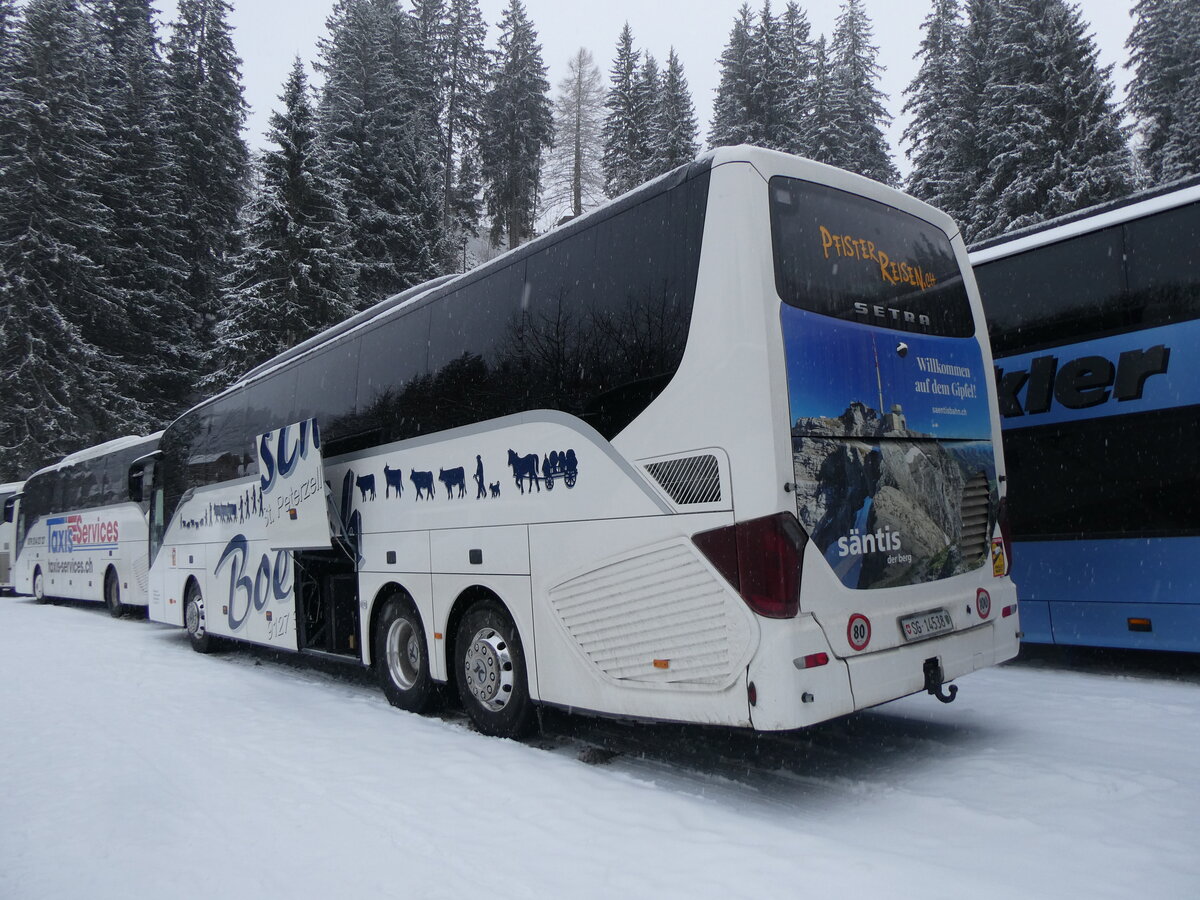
934,679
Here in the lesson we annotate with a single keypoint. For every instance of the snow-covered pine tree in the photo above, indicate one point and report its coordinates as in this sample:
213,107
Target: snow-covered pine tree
205,115
649,95
1164,52
145,262
933,97
61,390
1051,131
626,141
732,122
372,125
8,26
574,166
1181,155
518,127
293,277
674,133
770,99
825,138
864,117
462,111
966,155
796,62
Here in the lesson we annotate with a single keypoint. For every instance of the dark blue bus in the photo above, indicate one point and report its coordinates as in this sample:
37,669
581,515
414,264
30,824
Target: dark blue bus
1095,326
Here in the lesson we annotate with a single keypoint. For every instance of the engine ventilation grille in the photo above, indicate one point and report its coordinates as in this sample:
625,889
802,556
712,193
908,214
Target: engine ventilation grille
689,479
976,508
658,618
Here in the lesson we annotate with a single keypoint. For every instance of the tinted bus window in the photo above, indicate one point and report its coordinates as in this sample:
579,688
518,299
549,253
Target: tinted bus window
852,258
326,388
1086,479
1055,294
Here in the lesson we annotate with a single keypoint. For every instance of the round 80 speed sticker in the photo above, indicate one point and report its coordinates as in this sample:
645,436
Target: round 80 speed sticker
858,632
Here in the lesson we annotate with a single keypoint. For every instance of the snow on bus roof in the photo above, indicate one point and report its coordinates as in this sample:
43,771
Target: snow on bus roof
121,443
1094,218
12,487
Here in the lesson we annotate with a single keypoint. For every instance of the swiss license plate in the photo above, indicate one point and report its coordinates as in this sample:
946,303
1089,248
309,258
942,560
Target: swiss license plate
926,624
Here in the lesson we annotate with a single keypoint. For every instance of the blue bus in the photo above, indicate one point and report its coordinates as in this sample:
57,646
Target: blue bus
1095,325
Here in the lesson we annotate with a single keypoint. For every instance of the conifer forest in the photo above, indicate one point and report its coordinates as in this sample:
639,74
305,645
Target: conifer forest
148,257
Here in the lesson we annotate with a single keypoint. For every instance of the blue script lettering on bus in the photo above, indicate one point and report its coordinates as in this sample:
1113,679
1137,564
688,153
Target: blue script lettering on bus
284,460
246,592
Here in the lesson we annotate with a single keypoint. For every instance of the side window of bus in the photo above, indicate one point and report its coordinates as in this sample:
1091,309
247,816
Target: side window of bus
217,452
270,404
392,369
326,386
1058,293
474,345
1163,266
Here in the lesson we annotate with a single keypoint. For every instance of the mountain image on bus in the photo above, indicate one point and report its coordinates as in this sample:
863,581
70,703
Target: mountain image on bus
81,531
1094,320
724,450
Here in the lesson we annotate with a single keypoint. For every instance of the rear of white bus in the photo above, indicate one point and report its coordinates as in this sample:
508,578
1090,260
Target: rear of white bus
877,560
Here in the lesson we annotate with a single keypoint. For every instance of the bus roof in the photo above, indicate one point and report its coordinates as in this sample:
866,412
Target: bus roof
99,450
1104,215
12,487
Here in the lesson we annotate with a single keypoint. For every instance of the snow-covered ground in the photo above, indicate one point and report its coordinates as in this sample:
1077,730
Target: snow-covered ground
133,767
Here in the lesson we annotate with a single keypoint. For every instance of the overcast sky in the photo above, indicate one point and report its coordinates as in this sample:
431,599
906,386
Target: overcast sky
269,33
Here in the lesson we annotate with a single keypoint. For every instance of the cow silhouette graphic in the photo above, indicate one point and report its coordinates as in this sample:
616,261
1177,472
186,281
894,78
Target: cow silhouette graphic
366,484
453,478
524,467
423,482
393,478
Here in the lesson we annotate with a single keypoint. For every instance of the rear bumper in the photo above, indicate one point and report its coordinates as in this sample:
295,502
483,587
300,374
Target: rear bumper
879,677
789,697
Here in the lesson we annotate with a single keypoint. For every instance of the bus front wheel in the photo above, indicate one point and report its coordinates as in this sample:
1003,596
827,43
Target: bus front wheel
400,656
194,620
39,587
491,672
112,595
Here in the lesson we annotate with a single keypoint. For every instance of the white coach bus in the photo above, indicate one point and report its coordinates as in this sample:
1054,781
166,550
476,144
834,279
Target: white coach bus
9,504
80,533
724,450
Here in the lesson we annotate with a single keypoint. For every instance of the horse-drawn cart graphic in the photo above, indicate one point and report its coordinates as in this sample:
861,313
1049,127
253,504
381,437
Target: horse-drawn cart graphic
529,472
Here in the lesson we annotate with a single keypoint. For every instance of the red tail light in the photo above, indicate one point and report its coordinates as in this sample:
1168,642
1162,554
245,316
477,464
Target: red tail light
761,559
1005,533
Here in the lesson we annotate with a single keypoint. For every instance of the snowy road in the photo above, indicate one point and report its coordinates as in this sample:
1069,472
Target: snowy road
133,767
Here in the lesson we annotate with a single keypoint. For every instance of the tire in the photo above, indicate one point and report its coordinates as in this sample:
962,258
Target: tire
195,622
112,595
490,672
400,655
39,587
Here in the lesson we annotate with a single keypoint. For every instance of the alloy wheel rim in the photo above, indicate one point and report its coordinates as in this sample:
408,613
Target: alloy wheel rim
488,668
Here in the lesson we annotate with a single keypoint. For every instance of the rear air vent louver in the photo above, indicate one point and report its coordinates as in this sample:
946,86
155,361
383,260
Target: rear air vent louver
976,507
690,479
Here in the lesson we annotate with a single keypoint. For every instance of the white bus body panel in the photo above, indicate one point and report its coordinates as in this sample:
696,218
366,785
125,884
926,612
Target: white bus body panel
74,550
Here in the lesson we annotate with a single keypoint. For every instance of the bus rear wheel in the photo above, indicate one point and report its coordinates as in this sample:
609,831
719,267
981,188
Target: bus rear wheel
112,595
194,620
39,587
491,676
400,656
